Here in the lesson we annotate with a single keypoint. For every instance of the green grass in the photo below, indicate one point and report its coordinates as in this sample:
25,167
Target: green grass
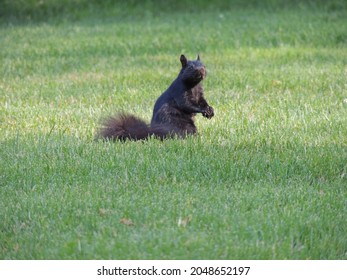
266,178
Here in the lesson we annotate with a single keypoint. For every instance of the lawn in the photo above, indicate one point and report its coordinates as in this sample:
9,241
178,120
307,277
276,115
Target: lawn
266,178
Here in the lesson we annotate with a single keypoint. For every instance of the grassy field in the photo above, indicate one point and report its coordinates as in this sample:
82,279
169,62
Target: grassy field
266,178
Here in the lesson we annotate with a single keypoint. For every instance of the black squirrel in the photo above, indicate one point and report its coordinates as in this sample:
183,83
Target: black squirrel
173,112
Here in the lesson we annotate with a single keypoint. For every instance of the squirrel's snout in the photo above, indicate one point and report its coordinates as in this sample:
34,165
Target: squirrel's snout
202,72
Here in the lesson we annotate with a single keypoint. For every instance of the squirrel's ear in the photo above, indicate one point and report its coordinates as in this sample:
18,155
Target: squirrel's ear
198,58
183,60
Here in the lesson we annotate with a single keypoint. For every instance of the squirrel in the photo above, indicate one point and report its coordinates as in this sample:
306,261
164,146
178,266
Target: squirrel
173,113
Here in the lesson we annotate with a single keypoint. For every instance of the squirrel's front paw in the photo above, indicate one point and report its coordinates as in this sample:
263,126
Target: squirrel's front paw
208,113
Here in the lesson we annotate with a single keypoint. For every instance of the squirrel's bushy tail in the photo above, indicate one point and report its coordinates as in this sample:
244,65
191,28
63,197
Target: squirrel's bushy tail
127,126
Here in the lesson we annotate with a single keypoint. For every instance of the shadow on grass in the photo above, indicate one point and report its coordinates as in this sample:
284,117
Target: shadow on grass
23,11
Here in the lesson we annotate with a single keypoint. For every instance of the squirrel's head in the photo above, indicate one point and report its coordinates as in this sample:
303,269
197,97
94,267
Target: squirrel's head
193,71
